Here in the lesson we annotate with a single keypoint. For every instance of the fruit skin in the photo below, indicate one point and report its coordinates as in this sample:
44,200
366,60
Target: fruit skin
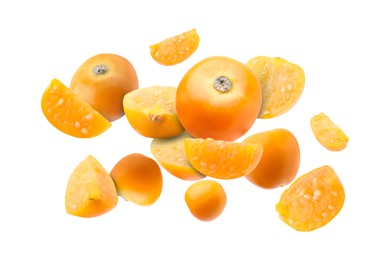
282,84
312,200
90,191
206,199
280,161
70,114
151,112
207,110
138,179
104,89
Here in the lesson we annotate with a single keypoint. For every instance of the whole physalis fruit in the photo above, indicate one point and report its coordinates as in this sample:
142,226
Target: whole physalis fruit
282,84
218,98
70,114
313,200
138,178
175,49
90,191
280,161
206,199
102,81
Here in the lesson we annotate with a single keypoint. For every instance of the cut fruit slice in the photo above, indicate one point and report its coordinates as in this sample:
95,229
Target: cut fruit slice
175,49
282,84
170,154
327,133
90,191
312,200
151,111
222,159
71,114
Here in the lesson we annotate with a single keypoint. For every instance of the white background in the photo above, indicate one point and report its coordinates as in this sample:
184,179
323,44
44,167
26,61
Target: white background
343,46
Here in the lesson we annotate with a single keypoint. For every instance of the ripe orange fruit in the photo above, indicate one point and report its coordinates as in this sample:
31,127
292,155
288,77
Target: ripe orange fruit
282,84
151,111
220,159
171,155
206,199
138,179
90,191
312,200
102,81
71,114
175,49
280,161
327,133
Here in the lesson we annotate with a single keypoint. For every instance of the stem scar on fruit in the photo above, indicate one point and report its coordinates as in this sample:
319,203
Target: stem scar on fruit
99,69
223,84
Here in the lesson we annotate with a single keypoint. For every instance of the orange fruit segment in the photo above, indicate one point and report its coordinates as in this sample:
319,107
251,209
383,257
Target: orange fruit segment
282,84
312,200
327,133
71,114
151,111
175,49
170,154
90,191
222,159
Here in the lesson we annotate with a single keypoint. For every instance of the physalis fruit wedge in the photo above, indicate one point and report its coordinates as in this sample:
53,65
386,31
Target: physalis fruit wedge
327,133
151,111
282,84
90,191
312,200
70,114
170,154
222,159
175,49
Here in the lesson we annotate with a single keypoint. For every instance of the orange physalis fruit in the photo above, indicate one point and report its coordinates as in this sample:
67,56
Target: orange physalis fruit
222,159
327,133
312,200
70,114
175,49
90,191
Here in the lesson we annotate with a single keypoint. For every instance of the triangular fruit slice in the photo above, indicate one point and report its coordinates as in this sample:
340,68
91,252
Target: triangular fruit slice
222,159
90,191
70,114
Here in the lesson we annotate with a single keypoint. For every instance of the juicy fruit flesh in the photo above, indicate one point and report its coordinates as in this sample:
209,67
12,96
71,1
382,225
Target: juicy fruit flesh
90,191
220,159
282,84
328,133
170,153
70,114
313,200
175,49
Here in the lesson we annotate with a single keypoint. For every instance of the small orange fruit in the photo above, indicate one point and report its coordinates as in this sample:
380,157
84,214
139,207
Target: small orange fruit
138,179
175,49
282,84
280,161
312,200
327,133
171,155
102,81
206,199
151,111
71,114
222,159
90,191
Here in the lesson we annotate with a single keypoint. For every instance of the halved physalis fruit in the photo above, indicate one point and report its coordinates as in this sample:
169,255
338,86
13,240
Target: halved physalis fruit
282,84
222,159
175,49
327,133
70,114
170,154
312,200
151,111
90,191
